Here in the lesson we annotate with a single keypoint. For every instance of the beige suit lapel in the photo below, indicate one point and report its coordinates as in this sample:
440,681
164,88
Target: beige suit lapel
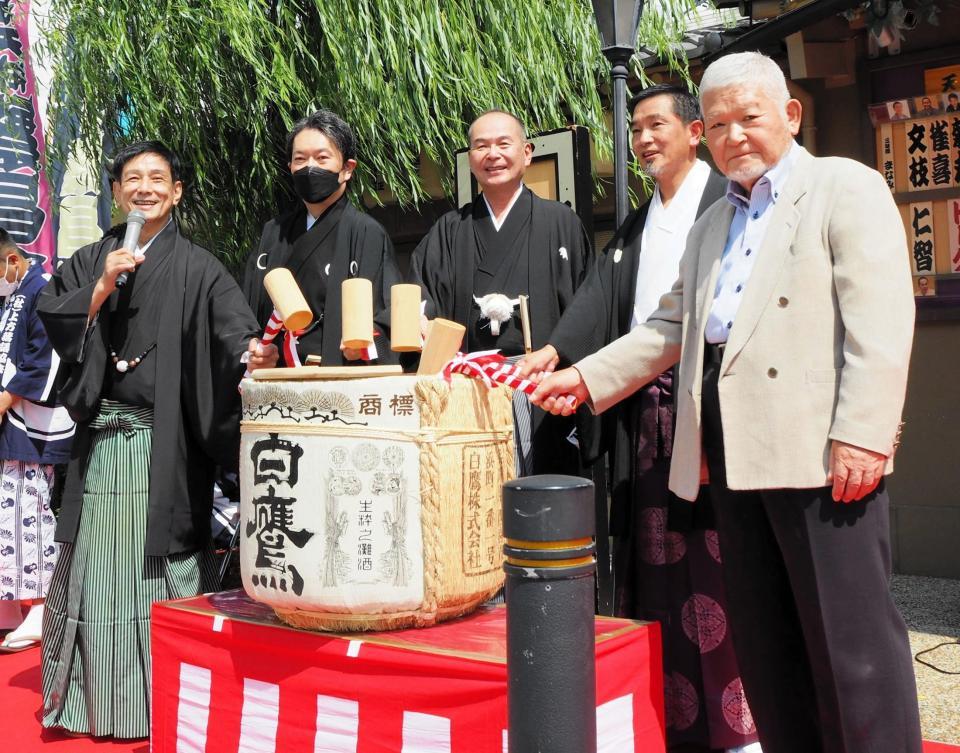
772,254
708,265
708,269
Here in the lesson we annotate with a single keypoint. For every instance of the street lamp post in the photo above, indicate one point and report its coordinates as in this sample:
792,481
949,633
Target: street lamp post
617,21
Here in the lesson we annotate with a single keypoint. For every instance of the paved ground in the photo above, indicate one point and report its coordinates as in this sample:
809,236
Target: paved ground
931,608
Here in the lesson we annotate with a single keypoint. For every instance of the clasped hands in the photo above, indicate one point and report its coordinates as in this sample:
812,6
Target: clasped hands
554,387
854,471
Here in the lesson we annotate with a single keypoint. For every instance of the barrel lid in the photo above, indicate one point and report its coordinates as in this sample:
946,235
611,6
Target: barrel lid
294,373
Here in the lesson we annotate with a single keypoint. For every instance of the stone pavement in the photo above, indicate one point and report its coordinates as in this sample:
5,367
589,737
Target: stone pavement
931,609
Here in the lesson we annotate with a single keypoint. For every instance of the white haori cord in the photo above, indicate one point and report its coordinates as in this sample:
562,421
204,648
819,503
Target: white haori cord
497,308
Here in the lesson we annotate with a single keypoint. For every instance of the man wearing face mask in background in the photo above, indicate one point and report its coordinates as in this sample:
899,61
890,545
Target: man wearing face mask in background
325,241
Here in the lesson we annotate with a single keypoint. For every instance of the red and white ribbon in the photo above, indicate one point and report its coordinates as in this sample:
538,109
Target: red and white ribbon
270,332
370,352
490,367
478,365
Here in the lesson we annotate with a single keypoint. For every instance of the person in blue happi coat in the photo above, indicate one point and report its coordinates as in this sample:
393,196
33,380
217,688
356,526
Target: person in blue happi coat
35,434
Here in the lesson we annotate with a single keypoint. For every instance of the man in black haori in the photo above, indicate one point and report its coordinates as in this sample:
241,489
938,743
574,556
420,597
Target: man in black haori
667,565
324,241
150,373
476,261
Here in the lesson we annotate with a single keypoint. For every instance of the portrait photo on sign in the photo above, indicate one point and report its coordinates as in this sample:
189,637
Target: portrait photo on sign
951,101
927,105
924,286
899,109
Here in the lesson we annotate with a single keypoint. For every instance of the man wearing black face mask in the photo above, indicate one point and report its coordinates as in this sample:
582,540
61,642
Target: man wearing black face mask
323,242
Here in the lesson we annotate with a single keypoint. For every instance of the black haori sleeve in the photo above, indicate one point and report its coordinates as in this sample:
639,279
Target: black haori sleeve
583,327
254,272
65,301
434,266
217,332
83,348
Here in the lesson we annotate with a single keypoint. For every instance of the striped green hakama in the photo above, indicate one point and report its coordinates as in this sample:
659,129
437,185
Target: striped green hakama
96,627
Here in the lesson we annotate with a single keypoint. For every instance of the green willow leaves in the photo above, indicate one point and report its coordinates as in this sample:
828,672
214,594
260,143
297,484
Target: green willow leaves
222,80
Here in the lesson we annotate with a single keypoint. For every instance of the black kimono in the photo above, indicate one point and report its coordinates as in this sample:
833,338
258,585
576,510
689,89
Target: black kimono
542,251
601,313
184,311
341,244
666,555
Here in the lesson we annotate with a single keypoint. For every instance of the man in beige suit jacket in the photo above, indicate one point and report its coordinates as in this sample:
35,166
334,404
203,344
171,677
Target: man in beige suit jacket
792,322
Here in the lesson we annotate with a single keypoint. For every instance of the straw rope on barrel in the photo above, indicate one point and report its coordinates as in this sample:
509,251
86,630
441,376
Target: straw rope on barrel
433,399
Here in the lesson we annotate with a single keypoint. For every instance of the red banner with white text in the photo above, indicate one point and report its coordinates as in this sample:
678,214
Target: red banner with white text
24,195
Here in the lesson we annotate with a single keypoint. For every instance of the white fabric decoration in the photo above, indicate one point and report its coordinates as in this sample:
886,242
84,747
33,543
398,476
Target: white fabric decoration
617,255
563,252
497,308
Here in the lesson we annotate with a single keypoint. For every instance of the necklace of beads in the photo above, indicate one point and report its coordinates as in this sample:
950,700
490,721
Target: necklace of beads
123,366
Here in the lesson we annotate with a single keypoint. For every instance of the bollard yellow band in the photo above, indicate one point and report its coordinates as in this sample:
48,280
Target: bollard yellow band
570,544
546,564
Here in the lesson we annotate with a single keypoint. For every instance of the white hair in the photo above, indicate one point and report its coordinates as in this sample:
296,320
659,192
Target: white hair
746,69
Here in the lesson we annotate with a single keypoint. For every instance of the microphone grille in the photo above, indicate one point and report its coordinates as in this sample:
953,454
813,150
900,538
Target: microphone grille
137,217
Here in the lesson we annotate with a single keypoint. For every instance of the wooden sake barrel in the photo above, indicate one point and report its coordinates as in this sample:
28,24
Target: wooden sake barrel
373,503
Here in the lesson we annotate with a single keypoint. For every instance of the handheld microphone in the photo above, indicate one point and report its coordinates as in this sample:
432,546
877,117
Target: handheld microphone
135,221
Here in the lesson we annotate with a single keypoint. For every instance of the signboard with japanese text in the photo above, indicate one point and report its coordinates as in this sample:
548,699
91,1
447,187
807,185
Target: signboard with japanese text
925,153
942,80
918,154
886,163
24,195
953,235
921,238
933,239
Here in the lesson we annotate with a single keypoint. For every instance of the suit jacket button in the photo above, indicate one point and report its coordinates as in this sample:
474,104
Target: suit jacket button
783,302
772,373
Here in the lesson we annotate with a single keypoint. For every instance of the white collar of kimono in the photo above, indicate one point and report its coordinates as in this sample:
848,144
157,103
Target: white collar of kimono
142,250
497,224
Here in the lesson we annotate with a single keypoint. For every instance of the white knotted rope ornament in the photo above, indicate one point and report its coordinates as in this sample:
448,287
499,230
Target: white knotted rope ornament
497,308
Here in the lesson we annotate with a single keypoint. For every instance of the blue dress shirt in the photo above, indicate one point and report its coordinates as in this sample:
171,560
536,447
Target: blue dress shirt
747,230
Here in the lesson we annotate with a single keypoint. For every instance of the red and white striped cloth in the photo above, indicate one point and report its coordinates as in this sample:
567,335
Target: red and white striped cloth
270,332
227,678
492,368
273,328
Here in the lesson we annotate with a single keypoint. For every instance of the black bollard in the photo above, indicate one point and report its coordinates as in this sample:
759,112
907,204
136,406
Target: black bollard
548,522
